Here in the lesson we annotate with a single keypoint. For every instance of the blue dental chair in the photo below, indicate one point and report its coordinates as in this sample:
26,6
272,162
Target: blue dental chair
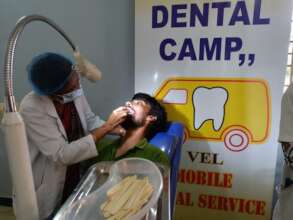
171,142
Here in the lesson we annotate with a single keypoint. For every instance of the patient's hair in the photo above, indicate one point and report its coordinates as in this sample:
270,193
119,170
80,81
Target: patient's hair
156,110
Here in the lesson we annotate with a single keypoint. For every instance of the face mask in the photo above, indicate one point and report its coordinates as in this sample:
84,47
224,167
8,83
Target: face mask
69,97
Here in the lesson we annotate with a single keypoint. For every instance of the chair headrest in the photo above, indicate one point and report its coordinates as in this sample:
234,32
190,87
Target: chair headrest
168,141
165,142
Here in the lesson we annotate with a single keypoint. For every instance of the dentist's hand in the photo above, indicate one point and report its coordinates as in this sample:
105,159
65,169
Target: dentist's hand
112,124
117,117
119,130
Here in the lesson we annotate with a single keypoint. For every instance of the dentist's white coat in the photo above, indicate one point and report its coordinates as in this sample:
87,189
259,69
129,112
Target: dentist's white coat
49,150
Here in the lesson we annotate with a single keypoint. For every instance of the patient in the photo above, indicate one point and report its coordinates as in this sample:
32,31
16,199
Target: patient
146,117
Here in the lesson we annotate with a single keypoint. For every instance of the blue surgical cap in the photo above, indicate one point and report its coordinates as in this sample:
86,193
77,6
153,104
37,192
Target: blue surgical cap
49,72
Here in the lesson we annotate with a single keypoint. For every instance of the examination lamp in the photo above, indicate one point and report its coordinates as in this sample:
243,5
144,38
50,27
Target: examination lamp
24,197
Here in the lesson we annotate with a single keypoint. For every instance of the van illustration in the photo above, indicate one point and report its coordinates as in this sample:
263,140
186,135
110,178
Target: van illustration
236,111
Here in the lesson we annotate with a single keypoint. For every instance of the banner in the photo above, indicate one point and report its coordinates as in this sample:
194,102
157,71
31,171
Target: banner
219,68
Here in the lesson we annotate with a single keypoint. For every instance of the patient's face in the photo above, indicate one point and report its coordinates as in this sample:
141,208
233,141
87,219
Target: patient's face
138,111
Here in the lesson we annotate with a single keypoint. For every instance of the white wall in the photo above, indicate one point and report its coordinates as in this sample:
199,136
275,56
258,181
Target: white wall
103,31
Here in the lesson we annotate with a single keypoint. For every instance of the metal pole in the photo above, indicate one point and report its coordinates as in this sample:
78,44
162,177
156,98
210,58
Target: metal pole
24,198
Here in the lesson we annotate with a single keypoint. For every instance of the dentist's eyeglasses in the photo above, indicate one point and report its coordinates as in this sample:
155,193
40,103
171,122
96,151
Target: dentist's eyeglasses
76,68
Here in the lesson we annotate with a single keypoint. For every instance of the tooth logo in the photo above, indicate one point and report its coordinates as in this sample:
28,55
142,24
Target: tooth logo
209,104
234,111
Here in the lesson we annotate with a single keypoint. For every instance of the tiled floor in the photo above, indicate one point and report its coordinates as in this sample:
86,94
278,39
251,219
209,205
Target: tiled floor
6,213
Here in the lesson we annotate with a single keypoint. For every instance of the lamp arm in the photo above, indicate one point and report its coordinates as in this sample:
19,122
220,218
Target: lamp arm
10,52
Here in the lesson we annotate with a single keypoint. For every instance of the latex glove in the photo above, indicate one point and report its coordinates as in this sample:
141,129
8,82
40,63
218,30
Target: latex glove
113,123
117,117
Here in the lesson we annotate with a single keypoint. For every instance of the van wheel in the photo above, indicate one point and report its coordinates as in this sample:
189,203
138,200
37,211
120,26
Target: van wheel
236,140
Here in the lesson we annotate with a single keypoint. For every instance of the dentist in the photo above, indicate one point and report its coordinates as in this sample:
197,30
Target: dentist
61,129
